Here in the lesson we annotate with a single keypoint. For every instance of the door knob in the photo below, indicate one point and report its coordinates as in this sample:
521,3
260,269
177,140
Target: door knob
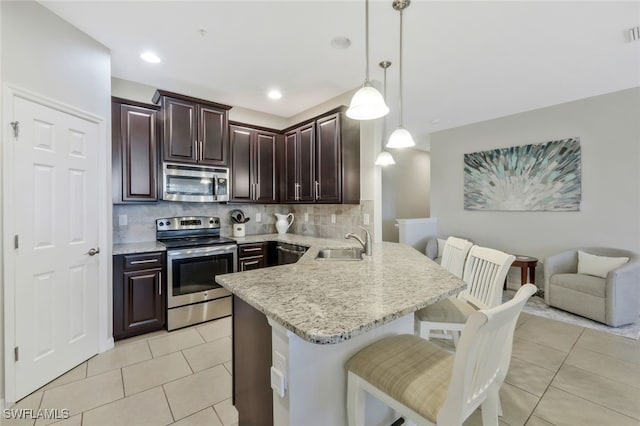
93,252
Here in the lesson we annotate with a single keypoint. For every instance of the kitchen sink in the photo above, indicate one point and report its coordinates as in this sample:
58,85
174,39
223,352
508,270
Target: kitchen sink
340,254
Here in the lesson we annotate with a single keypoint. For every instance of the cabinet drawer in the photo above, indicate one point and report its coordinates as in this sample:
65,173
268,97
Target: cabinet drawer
143,260
249,263
246,250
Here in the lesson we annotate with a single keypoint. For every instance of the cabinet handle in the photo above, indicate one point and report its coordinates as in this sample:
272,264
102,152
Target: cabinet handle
160,284
201,151
296,192
245,264
252,249
255,191
317,190
138,262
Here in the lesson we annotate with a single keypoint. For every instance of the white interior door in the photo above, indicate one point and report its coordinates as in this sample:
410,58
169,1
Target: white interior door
55,212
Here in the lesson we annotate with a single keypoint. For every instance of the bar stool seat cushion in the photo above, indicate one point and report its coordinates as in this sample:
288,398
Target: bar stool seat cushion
412,370
451,310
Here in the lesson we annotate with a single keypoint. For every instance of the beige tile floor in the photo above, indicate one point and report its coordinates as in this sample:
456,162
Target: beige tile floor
560,374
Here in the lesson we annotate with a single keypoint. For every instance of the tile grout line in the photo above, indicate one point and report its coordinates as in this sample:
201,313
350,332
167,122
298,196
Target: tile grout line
596,403
168,404
554,377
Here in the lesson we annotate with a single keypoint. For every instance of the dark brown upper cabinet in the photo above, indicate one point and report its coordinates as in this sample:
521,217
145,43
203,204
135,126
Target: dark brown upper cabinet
134,151
253,164
321,160
194,130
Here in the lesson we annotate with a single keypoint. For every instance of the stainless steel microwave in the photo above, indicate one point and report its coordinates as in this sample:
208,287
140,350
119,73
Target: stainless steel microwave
181,182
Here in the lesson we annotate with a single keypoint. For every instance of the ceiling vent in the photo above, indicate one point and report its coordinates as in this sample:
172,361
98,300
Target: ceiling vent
634,34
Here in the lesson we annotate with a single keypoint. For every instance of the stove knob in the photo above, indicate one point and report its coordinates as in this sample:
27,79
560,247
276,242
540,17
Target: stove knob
168,223
211,222
161,224
217,221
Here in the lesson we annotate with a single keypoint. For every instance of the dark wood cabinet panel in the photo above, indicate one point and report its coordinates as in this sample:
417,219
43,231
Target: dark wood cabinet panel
241,179
142,293
321,160
180,131
265,168
253,165
328,173
194,130
252,394
250,263
139,302
134,152
213,136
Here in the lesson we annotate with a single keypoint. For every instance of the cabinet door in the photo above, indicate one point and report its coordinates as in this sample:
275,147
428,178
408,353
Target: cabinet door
143,307
290,179
241,179
306,163
139,153
213,138
264,169
179,130
328,162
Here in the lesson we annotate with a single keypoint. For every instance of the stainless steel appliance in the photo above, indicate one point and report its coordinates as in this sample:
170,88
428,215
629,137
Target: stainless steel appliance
195,255
289,253
182,182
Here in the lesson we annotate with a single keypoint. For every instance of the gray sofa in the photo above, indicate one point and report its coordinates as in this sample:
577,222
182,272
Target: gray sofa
613,300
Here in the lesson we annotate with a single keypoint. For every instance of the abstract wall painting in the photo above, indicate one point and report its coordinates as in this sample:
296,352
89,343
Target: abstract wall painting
537,177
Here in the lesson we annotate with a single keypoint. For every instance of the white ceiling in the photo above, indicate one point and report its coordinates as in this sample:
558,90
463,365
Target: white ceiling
464,61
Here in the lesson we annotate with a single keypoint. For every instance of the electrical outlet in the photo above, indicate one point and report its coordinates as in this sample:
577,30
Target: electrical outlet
279,361
333,218
365,219
306,217
258,217
122,220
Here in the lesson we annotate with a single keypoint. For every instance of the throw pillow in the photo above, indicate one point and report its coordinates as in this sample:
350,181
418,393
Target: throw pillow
441,244
599,266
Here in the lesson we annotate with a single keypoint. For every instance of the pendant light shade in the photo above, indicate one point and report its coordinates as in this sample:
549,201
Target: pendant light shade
367,103
384,159
401,138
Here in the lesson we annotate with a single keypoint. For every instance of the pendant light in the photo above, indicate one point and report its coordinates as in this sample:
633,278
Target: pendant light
384,158
400,138
367,103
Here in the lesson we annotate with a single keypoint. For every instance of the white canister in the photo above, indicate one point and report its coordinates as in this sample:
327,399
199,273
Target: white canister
238,230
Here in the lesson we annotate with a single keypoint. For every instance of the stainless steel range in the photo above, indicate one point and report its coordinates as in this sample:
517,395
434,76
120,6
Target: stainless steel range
195,255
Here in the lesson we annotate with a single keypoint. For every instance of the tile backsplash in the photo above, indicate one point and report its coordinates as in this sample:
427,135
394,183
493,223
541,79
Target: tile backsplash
140,218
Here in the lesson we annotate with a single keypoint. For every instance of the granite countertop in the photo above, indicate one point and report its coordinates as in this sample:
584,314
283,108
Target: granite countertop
331,301
141,247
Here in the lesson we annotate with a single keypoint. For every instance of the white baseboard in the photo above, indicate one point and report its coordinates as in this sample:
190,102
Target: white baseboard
105,345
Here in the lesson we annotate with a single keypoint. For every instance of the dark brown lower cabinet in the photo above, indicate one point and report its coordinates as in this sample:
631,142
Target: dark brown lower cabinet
138,294
252,394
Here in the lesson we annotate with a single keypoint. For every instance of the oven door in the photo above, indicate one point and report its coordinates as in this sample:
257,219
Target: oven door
192,273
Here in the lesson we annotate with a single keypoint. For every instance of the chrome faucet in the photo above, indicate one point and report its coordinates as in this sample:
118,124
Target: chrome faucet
366,245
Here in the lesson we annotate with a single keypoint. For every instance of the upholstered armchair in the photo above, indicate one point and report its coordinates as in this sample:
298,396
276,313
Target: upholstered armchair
612,299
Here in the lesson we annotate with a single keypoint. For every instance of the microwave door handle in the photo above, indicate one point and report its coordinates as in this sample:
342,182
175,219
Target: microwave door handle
215,188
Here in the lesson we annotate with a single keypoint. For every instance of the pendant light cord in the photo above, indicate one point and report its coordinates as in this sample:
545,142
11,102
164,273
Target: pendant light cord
384,122
366,30
401,103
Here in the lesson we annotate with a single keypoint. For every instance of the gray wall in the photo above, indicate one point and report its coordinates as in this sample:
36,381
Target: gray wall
405,189
46,55
609,130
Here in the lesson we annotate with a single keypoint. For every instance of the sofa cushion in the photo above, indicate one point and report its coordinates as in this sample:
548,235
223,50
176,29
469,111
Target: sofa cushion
598,266
588,284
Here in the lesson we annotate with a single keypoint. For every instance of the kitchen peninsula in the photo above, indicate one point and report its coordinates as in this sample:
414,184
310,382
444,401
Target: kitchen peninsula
322,312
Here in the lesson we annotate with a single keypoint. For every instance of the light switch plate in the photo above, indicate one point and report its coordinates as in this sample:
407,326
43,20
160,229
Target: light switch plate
333,218
365,219
258,217
122,220
277,382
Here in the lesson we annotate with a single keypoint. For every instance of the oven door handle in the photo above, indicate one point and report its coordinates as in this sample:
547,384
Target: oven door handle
201,251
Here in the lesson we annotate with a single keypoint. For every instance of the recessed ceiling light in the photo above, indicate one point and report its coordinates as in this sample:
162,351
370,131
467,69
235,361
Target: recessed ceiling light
274,94
150,57
340,42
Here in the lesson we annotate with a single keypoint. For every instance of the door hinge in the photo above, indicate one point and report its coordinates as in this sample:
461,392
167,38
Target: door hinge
16,353
16,241
16,128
